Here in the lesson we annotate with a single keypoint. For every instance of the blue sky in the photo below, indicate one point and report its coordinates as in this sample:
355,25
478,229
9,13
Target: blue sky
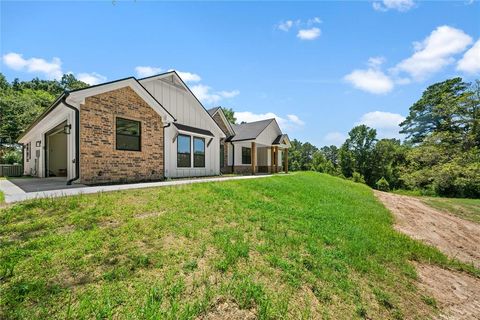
319,67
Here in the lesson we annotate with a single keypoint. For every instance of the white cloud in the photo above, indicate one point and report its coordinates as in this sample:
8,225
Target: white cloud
434,52
91,78
400,5
314,20
371,80
285,25
386,123
291,121
205,95
51,69
295,119
147,71
188,76
335,138
309,34
470,63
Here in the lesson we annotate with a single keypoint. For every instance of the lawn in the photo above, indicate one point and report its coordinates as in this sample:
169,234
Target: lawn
305,245
468,209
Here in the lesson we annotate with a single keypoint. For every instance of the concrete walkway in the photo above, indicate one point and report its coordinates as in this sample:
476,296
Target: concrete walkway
14,194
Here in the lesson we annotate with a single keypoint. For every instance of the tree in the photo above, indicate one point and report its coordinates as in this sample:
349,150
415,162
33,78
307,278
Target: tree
229,114
23,101
440,109
357,152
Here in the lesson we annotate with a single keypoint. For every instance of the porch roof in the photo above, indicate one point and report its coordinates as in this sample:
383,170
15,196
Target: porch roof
248,131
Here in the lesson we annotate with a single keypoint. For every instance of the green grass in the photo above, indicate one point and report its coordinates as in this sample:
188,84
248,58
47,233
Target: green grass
2,197
468,209
300,246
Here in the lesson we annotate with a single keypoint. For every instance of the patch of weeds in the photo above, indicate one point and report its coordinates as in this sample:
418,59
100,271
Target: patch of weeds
246,292
190,265
430,301
233,246
383,299
321,294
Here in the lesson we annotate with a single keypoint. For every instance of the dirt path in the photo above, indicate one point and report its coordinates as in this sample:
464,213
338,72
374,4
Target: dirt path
457,294
453,236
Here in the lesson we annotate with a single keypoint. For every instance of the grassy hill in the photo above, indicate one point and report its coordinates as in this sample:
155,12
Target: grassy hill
300,246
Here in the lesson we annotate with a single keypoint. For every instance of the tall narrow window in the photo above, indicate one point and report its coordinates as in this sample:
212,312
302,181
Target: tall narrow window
246,155
183,151
128,135
198,152
222,155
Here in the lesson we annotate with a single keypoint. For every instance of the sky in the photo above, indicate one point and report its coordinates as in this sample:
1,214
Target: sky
320,68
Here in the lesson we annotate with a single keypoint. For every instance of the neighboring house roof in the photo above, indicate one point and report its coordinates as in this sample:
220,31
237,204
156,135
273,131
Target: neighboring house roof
249,131
183,127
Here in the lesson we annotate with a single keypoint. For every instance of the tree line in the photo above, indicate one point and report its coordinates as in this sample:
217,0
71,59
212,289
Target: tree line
439,156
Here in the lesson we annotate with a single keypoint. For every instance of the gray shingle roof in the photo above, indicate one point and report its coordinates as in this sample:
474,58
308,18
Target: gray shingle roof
249,131
212,111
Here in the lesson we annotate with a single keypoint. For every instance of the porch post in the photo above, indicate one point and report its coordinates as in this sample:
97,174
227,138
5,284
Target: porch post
254,157
286,160
272,155
276,159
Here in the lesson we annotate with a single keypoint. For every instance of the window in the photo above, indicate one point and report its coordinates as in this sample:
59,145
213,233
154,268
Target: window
222,155
199,152
246,155
28,151
183,151
128,135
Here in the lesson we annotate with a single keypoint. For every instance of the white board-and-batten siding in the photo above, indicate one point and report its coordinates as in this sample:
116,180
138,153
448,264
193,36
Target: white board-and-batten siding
58,115
187,111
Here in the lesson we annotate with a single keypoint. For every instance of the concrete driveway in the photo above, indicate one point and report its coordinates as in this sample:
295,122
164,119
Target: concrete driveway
43,184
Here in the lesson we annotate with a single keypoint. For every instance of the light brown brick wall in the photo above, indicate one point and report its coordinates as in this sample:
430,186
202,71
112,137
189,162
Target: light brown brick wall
100,162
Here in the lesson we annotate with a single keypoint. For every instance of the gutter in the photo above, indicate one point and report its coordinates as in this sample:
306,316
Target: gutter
168,125
77,138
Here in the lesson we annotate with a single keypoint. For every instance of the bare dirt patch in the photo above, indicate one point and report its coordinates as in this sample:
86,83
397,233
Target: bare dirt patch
457,294
453,236
228,310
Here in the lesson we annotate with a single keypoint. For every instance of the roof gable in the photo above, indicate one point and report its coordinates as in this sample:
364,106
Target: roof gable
174,79
78,96
219,111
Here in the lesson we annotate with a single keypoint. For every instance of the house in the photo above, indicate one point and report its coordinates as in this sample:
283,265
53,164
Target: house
146,129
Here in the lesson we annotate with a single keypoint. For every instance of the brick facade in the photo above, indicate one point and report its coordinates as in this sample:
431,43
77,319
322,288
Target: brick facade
100,162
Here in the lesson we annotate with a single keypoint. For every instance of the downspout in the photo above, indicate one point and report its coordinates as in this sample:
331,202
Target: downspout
168,125
77,138
233,157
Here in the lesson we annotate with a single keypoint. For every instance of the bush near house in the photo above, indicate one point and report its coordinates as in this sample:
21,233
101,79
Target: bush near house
304,245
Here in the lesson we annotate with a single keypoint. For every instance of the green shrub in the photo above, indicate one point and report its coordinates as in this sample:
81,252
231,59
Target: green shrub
12,157
383,185
357,177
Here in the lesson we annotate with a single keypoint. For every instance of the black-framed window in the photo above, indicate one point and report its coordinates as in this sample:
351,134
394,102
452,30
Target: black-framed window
28,151
246,155
183,151
198,152
128,134
222,155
